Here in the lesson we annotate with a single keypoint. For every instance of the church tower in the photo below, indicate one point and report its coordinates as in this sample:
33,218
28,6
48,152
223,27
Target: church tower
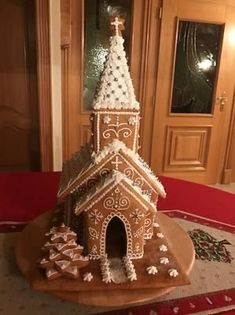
115,109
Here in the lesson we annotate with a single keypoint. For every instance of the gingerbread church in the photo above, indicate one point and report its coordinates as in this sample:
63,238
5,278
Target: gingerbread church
108,232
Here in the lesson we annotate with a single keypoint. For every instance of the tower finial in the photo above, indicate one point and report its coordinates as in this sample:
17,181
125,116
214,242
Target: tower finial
117,25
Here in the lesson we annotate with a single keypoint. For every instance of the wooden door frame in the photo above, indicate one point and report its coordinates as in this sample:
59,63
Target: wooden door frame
228,164
42,15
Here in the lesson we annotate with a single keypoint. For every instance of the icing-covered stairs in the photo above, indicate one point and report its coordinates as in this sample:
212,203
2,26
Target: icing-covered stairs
117,270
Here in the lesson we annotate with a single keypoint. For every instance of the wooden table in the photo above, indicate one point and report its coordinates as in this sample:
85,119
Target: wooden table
31,240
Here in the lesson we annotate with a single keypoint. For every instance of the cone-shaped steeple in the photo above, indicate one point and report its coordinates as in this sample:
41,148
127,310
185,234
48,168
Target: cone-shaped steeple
116,89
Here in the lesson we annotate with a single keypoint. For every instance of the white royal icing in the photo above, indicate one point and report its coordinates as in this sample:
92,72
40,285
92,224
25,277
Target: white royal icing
173,273
163,248
105,269
116,89
130,269
164,260
152,270
160,235
87,276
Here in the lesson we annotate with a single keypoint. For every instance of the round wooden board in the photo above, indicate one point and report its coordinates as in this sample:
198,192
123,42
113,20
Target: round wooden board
32,238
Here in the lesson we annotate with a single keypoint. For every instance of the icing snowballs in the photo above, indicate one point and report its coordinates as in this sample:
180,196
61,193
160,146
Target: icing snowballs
164,260
173,273
87,277
160,235
163,248
152,270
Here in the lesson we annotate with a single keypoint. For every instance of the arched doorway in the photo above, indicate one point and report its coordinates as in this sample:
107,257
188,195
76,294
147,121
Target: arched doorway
116,239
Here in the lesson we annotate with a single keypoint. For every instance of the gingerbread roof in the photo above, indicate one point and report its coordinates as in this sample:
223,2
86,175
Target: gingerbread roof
72,168
96,161
97,192
117,146
116,89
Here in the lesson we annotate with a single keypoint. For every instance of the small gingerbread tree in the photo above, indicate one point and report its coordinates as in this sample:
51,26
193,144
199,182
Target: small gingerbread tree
62,255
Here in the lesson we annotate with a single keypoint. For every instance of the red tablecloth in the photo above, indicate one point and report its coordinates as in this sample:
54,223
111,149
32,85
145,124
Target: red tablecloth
24,196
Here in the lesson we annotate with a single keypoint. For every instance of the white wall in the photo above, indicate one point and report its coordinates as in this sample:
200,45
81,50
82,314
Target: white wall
56,83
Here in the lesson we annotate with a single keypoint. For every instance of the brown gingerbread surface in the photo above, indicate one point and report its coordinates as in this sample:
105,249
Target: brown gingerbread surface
32,238
144,280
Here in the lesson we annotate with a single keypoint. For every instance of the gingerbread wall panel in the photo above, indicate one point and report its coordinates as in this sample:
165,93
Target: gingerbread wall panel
186,148
121,125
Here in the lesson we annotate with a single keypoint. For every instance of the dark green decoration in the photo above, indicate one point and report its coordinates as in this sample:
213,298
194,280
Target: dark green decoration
209,248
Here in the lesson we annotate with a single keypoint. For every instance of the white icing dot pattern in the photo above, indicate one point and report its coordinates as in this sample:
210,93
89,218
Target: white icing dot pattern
116,89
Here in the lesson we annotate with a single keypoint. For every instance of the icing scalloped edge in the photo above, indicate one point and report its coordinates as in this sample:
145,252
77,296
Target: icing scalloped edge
117,105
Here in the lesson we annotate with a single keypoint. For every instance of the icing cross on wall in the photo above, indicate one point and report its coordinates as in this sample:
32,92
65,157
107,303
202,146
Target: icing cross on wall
117,25
116,162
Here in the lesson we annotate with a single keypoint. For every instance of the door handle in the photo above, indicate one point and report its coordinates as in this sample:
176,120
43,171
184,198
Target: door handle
222,101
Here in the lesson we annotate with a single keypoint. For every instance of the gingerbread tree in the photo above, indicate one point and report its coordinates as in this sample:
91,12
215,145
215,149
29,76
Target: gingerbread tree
62,255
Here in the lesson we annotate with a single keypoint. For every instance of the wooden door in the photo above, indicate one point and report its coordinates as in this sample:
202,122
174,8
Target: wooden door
189,141
19,130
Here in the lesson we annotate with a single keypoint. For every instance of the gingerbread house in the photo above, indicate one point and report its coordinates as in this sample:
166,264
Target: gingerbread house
132,190
108,194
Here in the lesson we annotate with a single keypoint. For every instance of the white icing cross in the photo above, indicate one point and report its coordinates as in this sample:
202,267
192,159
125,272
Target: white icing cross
116,24
116,162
